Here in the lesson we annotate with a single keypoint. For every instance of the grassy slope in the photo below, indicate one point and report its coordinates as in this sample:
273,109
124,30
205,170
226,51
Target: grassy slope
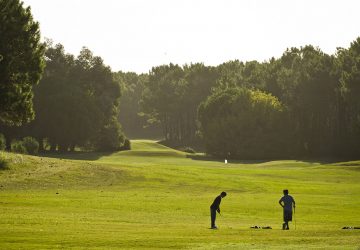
155,197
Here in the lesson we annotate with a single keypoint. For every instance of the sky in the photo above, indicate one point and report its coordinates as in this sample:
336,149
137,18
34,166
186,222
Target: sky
136,35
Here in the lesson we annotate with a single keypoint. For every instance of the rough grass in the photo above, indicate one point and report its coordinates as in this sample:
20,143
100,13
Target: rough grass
156,197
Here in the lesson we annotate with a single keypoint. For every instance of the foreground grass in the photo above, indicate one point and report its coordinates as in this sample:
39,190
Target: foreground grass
156,197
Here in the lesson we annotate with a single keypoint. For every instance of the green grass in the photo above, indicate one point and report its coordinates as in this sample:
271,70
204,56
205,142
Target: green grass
156,197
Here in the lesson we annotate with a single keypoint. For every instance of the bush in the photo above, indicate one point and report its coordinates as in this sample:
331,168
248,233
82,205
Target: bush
188,150
4,164
31,145
2,142
18,147
127,145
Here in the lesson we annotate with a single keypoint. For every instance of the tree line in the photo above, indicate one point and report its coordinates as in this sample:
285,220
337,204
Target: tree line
61,100
76,104
303,104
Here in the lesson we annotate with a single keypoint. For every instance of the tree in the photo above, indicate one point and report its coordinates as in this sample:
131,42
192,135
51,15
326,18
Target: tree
242,123
171,97
230,74
308,89
55,97
110,137
132,120
162,96
238,74
21,62
76,101
348,71
200,80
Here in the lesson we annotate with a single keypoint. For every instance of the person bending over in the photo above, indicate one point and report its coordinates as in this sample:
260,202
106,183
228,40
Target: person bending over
215,207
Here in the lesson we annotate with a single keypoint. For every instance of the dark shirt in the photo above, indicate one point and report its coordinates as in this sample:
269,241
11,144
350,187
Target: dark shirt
215,205
288,201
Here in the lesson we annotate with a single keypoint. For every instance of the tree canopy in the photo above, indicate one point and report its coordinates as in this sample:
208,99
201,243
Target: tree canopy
21,62
318,92
242,123
77,102
304,104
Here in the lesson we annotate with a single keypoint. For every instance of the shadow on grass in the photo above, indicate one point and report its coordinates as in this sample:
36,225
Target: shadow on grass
4,163
341,161
353,162
93,156
85,156
197,157
182,145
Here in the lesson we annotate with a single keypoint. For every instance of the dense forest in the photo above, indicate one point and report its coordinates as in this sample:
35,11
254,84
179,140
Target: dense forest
304,104
76,104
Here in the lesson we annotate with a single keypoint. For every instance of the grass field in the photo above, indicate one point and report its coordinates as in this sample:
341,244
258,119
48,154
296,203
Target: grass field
156,197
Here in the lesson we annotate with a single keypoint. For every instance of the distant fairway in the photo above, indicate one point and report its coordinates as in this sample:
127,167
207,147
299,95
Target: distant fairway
156,197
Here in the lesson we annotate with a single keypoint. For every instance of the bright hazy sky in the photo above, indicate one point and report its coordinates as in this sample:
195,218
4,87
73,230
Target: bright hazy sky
135,35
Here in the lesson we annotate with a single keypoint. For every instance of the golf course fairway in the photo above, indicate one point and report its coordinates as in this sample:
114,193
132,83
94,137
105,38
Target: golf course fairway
154,197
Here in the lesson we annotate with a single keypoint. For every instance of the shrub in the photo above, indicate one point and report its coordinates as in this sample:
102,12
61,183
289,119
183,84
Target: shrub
4,164
189,150
31,145
18,147
2,142
127,145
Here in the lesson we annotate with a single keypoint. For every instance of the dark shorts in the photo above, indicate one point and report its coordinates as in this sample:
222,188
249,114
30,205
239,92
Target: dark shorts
287,215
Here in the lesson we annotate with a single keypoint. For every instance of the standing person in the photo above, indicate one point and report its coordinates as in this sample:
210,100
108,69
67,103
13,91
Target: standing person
215,207
287,202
